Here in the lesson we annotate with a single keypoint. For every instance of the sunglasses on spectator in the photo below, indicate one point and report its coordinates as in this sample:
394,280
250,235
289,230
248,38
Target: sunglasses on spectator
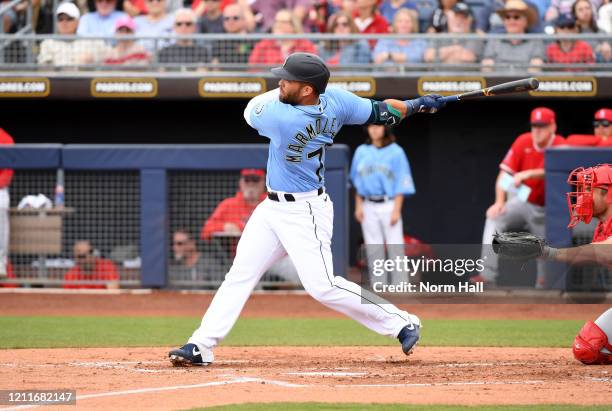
567,26
601,123
513,16
251,179
63,18
179,242
342,24
229,18
183,23
153,1
124,30
106,1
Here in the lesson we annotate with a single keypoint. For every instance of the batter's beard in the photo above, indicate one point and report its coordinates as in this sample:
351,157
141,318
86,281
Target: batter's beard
287,99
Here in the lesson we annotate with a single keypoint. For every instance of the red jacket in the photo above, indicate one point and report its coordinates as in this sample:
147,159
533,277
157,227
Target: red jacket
233,210
6,174
269,51
104,270
588,140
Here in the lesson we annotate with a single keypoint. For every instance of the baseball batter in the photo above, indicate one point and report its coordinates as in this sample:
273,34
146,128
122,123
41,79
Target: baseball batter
301,118
381,174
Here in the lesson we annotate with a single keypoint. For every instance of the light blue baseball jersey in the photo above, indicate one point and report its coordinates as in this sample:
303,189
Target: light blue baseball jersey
299,135
381,171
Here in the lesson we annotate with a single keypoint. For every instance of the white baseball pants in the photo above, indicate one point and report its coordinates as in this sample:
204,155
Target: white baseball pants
303,230
378,231
4,230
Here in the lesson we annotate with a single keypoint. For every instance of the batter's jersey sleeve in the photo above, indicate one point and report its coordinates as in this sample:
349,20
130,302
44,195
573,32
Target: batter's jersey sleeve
404,183
263,112
352,109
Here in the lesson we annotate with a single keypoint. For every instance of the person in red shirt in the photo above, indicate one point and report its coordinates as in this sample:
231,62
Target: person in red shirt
368,20
591,196
232,214
6,176
276,51
524,162
89,267
569,51
602,131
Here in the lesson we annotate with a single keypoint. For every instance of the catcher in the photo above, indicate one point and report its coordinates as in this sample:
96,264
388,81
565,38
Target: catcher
591,197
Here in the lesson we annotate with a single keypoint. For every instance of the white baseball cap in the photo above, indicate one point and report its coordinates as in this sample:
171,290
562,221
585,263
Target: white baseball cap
68,9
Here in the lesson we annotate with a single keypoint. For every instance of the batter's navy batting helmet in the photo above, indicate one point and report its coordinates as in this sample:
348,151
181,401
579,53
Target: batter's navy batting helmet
305,67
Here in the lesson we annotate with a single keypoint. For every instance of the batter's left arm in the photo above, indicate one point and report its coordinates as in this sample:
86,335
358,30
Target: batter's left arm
390,111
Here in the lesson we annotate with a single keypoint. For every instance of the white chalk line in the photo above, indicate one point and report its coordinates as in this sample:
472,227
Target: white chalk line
328,374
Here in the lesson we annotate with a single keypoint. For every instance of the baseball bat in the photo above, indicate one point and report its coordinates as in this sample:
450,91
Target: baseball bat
516,86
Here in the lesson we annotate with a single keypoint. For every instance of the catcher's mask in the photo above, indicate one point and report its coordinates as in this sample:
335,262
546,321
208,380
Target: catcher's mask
580,199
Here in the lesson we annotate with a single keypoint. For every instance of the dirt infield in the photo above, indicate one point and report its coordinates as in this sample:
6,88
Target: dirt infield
139,378
162,303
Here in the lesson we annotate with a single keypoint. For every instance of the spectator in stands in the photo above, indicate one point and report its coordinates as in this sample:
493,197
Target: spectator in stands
368,19
211,18
155,23
586,22
604,19
127,52
102,21
568,51
391,52
276,51
453,51
517,17
6,176
439,18
266,12
388,8
188,263
70,52
318,17
184,50
602,131
344,52
232,214
90,267
233,51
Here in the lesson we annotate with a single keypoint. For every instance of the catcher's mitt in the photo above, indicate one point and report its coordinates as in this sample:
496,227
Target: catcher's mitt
519,246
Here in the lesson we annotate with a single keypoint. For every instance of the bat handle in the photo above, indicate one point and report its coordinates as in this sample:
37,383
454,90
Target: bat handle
449,99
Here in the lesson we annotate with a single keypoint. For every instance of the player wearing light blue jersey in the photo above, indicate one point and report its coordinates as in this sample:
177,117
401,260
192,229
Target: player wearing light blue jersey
301,118
381,175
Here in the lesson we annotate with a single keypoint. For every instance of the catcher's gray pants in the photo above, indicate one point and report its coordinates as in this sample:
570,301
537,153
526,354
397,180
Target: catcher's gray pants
4,230
518,216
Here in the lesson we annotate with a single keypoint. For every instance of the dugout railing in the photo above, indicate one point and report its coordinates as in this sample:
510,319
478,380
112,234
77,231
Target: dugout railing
128,201
216,53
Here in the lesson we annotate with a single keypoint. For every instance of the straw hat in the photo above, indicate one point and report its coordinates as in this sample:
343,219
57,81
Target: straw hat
519,6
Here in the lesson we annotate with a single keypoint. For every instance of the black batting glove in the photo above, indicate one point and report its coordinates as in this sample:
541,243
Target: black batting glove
430,103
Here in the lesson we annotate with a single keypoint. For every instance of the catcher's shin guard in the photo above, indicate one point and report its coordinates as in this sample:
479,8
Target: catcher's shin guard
589,343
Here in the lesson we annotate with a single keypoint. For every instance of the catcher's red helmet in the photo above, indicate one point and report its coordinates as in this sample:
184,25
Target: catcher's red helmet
583,181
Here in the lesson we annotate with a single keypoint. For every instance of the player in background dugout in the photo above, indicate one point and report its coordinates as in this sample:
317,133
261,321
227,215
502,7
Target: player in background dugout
90,267
525,163
381,174
602,131
6,176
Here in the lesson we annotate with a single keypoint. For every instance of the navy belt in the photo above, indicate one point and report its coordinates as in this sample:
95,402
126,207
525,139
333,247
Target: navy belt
377,199
288,197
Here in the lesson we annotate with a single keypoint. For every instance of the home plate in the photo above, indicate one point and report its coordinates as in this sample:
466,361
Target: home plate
328,374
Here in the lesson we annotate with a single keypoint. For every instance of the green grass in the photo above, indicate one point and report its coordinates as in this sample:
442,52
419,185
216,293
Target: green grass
57,332
312,406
